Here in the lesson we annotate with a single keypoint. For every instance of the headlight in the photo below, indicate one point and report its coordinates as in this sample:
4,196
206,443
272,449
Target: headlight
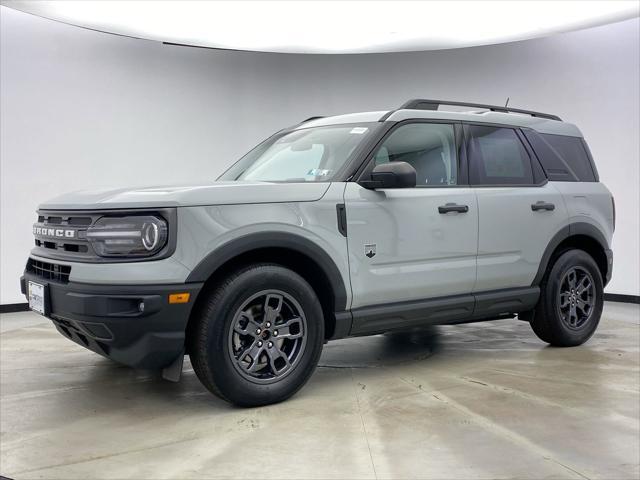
132,236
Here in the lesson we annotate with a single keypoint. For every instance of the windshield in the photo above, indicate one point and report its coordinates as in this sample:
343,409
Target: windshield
307,155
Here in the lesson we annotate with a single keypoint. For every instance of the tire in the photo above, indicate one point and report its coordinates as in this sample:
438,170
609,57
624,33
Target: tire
257,336
566,316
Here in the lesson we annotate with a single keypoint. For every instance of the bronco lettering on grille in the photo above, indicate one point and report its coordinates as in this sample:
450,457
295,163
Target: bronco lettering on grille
54,232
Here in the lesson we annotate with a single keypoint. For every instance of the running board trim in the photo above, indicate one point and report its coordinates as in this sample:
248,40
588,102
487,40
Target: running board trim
444,310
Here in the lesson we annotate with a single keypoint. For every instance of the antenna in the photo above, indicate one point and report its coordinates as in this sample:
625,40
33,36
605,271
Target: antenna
506,104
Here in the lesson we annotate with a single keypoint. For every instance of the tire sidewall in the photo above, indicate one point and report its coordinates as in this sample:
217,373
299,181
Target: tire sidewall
233,385
566,261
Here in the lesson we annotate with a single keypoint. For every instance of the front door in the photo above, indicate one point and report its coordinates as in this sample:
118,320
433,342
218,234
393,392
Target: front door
411,244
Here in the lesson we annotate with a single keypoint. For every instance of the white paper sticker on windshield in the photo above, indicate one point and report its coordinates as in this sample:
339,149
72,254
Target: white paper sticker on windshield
317,172
359,130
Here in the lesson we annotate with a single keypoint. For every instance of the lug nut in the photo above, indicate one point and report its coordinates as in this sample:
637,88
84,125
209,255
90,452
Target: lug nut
270,344
275,333
268,324
258,332
259,344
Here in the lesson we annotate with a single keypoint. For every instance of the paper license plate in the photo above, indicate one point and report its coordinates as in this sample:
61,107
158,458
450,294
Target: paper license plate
36,297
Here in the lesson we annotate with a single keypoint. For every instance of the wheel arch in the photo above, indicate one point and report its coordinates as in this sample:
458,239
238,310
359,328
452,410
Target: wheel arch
292,251
580,235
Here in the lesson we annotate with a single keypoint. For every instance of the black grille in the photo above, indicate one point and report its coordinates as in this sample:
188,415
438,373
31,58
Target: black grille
72,248
47,219
49,271
67,247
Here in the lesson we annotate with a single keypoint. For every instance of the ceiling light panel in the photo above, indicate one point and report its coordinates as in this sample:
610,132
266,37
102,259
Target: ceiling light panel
333,27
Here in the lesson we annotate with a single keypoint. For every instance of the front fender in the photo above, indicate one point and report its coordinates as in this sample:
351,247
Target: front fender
266,239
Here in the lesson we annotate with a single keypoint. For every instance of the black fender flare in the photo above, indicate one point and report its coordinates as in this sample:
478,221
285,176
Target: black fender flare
577,228
255,241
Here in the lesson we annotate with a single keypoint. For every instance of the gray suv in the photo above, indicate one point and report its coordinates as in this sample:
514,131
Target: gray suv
342,226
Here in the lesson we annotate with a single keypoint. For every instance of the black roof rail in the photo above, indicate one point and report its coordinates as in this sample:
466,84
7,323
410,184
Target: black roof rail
423,104
309,119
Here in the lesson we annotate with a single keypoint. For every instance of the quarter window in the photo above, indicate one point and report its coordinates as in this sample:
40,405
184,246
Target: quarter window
564,159
498,157
430,148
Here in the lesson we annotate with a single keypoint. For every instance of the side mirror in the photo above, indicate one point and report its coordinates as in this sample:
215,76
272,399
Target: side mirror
391,175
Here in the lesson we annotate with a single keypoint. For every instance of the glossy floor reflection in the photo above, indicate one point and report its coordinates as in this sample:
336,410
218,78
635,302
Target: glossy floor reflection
485,400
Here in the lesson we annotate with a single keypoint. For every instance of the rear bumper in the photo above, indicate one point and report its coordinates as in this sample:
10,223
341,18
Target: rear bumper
109,319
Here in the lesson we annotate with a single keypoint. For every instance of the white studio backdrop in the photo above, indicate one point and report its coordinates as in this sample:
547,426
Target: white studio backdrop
82,109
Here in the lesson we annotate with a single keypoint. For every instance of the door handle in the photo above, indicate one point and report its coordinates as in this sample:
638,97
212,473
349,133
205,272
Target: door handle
453,207
542,206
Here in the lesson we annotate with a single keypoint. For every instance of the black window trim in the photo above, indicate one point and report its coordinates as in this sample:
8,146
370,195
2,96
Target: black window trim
366,165
525,144
533,158
592,162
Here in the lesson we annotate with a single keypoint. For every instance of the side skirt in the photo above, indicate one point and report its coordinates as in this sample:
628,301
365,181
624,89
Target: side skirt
441,311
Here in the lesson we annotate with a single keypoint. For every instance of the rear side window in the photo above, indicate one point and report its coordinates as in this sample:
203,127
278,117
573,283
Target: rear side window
564,159
497,157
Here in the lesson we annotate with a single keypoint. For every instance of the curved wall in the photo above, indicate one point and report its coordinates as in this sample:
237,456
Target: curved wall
81,109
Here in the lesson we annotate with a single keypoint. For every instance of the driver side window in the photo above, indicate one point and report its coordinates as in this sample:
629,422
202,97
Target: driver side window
430,148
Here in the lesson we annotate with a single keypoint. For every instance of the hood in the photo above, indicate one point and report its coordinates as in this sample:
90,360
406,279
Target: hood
217,193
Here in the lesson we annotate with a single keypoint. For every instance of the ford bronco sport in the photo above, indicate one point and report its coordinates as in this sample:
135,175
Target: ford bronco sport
343,226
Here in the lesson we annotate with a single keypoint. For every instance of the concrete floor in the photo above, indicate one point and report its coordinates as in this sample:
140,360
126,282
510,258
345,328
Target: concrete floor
485,400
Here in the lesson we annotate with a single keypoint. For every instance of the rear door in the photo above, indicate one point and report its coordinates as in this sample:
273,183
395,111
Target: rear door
519,210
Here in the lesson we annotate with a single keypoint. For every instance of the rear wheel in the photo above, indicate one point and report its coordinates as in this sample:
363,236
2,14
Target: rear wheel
258,336
571,300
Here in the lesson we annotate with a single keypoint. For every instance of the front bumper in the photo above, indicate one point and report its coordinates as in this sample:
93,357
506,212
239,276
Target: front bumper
108,320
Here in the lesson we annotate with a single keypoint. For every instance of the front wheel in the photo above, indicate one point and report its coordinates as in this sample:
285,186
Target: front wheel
258,336
571,300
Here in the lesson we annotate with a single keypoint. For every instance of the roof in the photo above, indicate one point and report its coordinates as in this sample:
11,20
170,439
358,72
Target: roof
543,123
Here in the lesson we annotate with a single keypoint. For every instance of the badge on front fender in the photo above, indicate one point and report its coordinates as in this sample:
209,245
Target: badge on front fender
370,250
